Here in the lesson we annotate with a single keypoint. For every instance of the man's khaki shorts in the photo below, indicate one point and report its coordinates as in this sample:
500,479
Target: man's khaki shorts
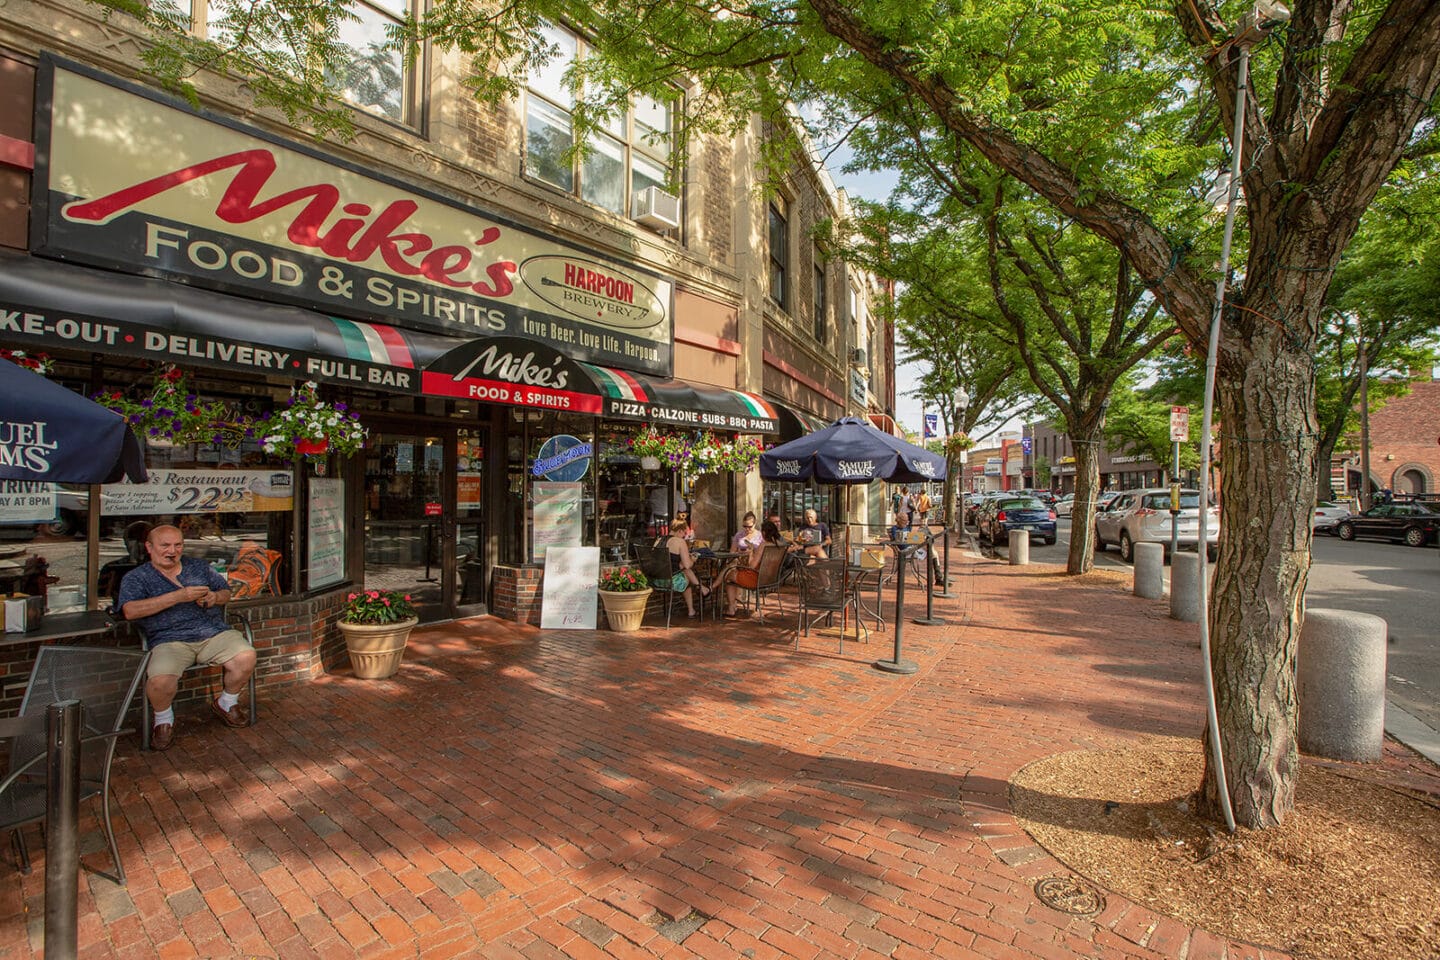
173,658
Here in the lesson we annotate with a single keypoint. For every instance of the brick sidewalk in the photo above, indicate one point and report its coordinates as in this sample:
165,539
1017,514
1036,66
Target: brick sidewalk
706,792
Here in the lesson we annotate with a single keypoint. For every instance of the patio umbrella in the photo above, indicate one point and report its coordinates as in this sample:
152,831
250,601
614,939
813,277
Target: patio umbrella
848,451
49,434
852,451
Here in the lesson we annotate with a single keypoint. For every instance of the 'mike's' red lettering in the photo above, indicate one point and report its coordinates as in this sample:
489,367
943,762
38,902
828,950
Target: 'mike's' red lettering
238,205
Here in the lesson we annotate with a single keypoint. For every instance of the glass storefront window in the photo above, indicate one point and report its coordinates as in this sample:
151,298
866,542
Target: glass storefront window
635,505
560,476
235,508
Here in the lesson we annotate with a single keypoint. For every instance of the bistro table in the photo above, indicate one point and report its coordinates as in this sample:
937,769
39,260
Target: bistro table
708,567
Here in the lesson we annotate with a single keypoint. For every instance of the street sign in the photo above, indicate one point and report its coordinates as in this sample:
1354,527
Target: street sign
1180,424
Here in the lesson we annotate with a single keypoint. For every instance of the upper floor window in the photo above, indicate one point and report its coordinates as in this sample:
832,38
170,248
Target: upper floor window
822,306
631,151
779,254
374,75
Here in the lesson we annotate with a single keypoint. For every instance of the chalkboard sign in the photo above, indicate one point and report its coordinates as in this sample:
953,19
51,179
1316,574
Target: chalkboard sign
571,588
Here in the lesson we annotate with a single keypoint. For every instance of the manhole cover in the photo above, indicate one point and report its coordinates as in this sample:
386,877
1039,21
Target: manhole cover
1070,895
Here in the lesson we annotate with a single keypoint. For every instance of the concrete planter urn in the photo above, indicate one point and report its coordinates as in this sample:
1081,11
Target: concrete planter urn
376,649
649,463
625,609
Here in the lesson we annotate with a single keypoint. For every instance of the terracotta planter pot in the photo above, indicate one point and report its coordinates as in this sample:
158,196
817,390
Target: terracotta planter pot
376,649
624,609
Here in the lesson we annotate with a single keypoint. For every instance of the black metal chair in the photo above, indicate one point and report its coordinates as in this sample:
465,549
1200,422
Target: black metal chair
825,590
656,564
237,620
104,680
770,577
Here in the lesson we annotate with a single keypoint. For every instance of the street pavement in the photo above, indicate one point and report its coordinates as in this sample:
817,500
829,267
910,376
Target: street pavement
706,791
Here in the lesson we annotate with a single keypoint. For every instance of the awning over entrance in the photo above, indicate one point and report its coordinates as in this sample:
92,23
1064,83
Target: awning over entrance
797,423
633,396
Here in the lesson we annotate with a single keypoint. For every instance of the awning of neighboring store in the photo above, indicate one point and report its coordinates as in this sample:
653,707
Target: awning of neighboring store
885,422
634,396
797,423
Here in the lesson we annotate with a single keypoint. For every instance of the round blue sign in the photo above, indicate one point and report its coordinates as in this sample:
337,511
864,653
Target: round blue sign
563,458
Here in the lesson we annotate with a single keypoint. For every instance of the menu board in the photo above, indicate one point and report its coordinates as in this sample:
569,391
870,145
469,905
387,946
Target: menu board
201,491
557,518
325,536
571,588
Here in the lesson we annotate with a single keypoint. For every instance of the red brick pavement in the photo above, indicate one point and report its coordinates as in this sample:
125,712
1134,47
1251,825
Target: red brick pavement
702,792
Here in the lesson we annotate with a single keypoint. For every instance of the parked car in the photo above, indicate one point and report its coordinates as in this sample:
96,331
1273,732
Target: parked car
1327,515
1143,516
1063,505
1416,522
1002,514
972,510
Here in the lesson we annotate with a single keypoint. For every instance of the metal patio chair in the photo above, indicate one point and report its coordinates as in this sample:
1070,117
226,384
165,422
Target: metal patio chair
825,589
104,680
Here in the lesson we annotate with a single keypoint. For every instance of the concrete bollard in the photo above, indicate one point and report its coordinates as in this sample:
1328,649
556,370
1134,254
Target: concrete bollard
1340,684
1150,570
1019,541
1185,587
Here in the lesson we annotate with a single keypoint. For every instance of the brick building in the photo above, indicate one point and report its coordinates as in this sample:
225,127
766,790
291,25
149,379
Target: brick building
503,317
1404,445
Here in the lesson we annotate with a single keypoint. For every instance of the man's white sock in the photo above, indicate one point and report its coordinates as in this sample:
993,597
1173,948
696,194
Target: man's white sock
165,716
227,699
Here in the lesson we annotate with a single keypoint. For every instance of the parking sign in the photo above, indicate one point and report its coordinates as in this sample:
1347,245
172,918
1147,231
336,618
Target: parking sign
1180,424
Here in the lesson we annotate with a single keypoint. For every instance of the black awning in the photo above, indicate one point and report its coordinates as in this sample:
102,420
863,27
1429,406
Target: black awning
796,423
49,304
635,396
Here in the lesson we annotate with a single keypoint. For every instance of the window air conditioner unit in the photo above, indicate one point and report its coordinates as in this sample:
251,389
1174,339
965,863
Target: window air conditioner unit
857,357
657,209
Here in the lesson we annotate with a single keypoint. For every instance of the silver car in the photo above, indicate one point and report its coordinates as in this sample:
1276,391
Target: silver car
1143,516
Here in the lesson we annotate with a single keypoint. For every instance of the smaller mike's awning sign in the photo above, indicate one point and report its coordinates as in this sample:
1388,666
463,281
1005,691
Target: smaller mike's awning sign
510,370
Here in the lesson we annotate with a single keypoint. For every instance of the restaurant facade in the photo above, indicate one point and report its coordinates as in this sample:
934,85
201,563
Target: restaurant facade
501,337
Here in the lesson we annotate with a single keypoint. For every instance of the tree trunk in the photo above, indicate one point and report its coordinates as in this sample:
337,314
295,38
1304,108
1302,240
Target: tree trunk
1082,511
1268,438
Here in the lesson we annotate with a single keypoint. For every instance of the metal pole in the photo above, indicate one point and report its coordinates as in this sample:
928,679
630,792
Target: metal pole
1211,355
929,620
62,834
1364,426
1174,501
898,665
945,584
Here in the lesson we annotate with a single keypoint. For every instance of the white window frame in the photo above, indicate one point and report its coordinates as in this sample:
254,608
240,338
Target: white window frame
625,136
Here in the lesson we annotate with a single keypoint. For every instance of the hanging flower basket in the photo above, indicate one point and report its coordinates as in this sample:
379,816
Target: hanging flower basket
170,413
308,426
692,454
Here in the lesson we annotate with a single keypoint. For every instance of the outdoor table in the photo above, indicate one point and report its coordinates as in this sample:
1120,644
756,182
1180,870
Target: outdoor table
63,626
708,567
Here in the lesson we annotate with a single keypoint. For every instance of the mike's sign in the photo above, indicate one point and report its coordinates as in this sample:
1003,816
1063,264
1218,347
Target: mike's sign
131,179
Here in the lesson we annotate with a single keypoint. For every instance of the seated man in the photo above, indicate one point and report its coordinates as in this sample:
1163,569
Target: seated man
813,536
177,600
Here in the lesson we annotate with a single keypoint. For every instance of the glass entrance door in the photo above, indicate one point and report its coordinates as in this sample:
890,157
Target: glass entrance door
409,532
471,575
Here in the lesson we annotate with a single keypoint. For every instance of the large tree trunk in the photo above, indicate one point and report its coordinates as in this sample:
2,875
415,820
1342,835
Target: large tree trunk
1082,511
1267,453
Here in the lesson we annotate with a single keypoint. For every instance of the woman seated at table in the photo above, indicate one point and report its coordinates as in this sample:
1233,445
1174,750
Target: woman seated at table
769,534
747,538
683,563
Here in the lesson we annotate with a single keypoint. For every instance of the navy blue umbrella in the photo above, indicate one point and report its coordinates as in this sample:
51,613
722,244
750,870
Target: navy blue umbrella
851,450
49,434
